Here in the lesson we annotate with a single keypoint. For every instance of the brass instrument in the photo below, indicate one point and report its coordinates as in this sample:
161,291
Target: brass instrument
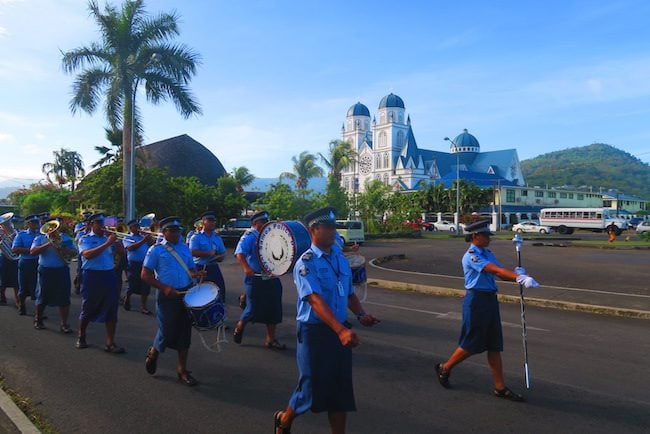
120,231
156,235
7,235
50,230
147,221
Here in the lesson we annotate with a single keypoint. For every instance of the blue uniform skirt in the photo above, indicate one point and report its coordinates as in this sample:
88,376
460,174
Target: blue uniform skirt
27,278
136,284
54,286
9,273
325,371
263,300
215,276
174,324
481,327
100,293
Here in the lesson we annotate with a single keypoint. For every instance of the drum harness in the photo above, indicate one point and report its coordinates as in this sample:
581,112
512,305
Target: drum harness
221,332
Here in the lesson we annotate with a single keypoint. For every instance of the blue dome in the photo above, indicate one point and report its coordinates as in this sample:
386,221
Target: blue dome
391,100
466,140
359,110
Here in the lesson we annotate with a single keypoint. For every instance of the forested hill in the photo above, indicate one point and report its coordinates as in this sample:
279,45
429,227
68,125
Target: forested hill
597,165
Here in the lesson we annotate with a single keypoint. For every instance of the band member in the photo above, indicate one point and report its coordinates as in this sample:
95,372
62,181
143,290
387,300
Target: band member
324,282
27,263
198,227
208,250
481,325
53,250
83,222
99,286
9,277
136,245
169,267
80,232
263,293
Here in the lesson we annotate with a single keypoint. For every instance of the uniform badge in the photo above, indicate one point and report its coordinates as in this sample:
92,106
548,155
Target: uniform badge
303,271
307,256
474,258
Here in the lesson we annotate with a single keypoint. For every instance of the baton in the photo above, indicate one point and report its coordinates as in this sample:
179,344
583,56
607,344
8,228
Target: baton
518,241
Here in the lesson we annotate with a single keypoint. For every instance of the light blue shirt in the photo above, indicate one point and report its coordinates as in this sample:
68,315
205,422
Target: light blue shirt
166,267
103,261
138,254
247,246
189,236
329,276
204,242
25,239
49,258
339,240
474,261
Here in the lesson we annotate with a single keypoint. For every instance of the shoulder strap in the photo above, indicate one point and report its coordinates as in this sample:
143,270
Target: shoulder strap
177,257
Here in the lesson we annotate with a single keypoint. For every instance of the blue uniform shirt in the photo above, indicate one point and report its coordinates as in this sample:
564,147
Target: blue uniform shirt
247,246
49,258
329,276
166,266
103,261
25,239
474,260
205,242
189,236
138,254
339,240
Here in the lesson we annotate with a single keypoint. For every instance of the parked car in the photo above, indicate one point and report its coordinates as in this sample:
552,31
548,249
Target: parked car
351,231
531,226
445,226
232,231
633,222
643,227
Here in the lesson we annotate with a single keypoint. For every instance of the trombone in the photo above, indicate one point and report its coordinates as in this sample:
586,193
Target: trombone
120,231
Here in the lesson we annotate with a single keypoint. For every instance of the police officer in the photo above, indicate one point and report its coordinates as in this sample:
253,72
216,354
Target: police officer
99,286
208,250
27,263
324,351
80,231
136,245
263,293
481,325
9,276
53,276
198,226
169,267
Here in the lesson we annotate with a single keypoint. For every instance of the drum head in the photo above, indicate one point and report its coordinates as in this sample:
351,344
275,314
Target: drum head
355,260
201,294
280,244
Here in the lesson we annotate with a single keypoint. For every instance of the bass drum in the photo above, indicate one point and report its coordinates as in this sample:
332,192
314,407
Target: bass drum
280,244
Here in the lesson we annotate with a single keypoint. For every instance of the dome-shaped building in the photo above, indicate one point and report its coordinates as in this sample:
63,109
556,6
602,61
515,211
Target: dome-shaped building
391,100
464,142
358,110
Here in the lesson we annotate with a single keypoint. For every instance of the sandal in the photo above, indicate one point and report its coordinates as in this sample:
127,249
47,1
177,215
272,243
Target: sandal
151,362
238,335
509,395
186,379
65,328
277,424
145,311
443,376
38,324
275,345
81,343
114,349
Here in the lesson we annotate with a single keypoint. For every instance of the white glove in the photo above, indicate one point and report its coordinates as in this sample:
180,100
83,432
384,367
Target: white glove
520,270
527,281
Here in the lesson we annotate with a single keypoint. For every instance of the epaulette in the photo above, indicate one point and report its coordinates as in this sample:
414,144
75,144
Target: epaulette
471,250
307,255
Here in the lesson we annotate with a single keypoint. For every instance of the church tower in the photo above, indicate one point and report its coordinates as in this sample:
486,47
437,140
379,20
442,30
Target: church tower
356,131
389,137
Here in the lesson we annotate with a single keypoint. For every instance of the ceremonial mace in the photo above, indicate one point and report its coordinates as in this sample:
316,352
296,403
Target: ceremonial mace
518,242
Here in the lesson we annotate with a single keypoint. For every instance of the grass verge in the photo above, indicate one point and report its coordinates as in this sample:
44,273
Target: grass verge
26,406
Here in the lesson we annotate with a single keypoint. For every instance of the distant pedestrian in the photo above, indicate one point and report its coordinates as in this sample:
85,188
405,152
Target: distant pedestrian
611,232
481,325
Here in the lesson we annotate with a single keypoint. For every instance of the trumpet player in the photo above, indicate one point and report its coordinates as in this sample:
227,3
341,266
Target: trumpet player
27,263
136,245
54,248
99,286
208,250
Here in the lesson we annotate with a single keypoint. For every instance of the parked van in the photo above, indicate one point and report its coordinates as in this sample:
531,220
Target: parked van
351,231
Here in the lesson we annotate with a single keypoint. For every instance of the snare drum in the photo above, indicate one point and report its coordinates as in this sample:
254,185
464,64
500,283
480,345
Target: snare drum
358,266
280,244
204,306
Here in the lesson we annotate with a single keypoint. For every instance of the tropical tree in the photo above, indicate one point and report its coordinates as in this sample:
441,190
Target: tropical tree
304,168
340,156
243,177
134,47
67,167
112,154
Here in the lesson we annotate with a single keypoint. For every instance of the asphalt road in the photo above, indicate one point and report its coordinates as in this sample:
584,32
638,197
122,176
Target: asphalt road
589,373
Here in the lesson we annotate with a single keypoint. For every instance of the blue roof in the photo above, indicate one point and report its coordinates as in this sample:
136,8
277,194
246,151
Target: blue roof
483,180
466,139
358,110
391,100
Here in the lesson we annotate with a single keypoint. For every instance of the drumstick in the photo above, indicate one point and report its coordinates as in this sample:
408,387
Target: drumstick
202,277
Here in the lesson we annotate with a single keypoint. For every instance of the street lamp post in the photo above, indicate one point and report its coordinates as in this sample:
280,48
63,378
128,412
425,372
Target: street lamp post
129,199
457,184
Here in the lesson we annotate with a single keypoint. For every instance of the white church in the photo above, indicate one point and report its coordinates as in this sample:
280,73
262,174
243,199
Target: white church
387,151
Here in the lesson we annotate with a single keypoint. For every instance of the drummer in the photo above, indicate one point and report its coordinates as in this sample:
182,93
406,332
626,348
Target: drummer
168,266
208,250
263,293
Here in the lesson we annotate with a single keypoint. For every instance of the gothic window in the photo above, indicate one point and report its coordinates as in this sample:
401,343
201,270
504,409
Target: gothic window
401,118
400,139
386,178
357,123
378,161
382,139
382,117
386,165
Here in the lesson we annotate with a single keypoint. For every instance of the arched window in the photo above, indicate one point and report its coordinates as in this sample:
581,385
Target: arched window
382,139
400,138
401,118
386,165
386,178
382,117
377,161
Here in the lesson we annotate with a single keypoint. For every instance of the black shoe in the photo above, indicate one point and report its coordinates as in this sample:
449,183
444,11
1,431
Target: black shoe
65,329
509,395
186,379
151,362
443,376
81,343
38,325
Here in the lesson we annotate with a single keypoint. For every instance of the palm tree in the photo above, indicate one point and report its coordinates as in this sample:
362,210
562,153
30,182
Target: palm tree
304,168
243,176
66,167
73,168
341,155
112,154
134,47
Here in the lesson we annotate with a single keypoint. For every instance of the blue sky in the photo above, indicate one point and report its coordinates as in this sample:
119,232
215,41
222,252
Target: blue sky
277,77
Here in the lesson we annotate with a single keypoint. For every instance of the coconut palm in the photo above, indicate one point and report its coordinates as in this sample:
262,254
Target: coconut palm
112,154
134,47
243,176
66,167
304,168
340,156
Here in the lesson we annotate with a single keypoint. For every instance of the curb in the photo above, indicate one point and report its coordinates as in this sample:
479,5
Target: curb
552,304
17,417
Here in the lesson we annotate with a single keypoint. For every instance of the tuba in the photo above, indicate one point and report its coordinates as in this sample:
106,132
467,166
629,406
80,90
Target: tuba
49,229
7,235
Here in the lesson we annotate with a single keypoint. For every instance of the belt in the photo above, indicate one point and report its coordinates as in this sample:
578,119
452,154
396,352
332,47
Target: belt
484,291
